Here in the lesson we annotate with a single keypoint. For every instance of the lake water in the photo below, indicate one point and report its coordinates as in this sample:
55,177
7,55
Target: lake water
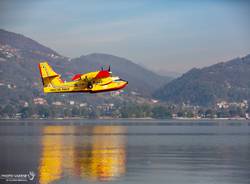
144,152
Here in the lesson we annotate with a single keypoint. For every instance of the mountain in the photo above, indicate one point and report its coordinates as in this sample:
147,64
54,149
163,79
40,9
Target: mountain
228,81
167,73
141,80
19,57
23,43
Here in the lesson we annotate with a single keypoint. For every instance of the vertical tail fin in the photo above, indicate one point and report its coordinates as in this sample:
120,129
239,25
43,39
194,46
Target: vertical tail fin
49,77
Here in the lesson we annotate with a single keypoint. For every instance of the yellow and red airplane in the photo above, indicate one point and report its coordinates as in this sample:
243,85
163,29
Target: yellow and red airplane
93,82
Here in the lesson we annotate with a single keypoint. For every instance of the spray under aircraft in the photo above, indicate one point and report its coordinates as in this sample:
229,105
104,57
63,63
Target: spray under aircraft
92,82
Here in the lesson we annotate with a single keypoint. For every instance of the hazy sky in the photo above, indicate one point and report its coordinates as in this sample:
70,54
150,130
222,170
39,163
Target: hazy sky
166,35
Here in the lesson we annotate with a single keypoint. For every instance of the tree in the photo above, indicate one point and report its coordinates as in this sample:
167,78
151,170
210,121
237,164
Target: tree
161,112
43,111
209,113
94,114
26,112
190,114
146,110
84,112
9,110
223,113
67,112
181,113
236,111
75,111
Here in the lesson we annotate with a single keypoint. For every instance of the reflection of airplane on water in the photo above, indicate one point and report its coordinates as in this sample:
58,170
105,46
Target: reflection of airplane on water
96,157
93,82
107,157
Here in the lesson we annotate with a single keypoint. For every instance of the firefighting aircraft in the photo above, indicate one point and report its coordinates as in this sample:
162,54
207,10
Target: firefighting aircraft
93,82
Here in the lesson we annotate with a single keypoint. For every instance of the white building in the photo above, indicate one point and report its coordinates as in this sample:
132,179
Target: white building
40,101
57,103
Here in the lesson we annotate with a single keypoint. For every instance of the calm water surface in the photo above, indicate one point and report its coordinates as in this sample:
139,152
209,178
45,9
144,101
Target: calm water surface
168,152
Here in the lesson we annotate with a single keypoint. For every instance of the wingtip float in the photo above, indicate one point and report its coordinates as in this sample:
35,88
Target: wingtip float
93,82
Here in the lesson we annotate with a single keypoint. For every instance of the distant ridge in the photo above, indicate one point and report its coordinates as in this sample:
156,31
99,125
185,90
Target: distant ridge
23,43
228,81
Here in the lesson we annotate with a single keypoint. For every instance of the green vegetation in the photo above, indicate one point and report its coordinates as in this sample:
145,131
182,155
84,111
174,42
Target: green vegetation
161,112
118,108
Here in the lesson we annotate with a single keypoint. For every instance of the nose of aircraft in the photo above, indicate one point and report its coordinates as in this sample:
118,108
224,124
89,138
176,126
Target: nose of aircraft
126,82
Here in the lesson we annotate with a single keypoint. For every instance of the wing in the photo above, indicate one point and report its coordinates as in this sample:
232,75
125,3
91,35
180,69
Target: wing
102,77
92,76
102,74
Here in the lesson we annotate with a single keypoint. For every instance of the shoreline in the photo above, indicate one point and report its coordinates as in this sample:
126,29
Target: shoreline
129,119
123,122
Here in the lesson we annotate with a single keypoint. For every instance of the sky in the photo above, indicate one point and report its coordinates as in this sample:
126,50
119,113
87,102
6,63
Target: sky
160,35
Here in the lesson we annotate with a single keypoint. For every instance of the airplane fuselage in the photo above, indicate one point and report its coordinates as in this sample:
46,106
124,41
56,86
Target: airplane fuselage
82,86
